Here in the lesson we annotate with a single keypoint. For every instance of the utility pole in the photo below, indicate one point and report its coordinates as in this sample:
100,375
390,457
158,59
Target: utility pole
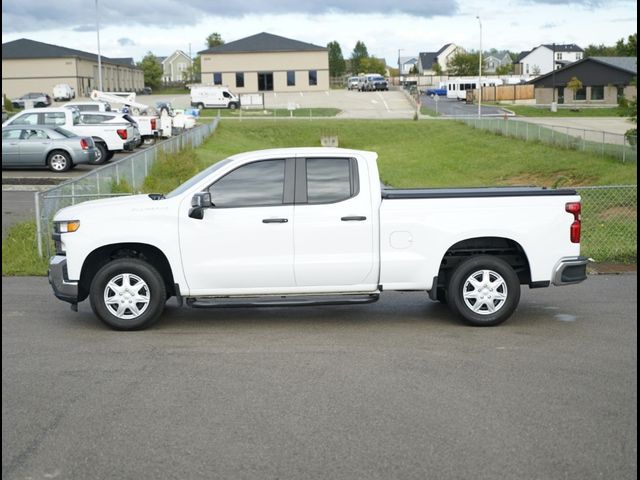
99,57
480,71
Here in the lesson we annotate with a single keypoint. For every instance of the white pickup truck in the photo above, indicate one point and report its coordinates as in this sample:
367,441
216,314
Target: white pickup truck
312,226
108,137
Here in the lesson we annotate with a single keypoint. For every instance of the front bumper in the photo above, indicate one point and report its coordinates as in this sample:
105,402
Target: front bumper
63,288
570,270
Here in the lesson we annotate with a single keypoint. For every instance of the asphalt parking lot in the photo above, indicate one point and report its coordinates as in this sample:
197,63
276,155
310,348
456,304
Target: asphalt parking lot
451,107
397,389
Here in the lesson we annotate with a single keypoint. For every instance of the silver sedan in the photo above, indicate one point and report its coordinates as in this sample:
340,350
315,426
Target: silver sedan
36,146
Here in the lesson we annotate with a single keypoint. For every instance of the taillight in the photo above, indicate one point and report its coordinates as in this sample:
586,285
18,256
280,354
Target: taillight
84,144
122,133
574,232
153,124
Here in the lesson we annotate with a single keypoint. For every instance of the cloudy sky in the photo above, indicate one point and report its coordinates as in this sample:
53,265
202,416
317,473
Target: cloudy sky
131,28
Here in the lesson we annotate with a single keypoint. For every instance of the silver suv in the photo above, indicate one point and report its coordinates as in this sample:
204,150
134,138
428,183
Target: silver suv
39,100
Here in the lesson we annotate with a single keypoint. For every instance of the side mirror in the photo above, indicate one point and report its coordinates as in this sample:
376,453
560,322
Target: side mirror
199,202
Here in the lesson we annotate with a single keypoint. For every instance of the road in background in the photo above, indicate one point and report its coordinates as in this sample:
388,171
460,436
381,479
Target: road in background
396,389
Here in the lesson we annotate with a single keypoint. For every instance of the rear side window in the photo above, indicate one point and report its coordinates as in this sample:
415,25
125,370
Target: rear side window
54,118
331,180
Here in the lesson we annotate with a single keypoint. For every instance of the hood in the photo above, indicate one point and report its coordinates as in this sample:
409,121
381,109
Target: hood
107,207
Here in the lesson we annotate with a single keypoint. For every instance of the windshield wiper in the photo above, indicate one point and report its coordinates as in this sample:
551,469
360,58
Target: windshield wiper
157,196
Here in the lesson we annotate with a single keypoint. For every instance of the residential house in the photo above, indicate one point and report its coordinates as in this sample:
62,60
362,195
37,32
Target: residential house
546,58
174,66
30,66
491,62
604,81
407,64
267,62
442,57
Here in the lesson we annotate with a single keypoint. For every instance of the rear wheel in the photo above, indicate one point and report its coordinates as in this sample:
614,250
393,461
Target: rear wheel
101,153
483,291
59,161
128,294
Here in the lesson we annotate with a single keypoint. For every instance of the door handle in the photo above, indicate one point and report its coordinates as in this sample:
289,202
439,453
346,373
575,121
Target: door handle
353,219
275,220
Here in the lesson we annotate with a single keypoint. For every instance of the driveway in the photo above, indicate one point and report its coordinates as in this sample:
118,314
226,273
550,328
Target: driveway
451,107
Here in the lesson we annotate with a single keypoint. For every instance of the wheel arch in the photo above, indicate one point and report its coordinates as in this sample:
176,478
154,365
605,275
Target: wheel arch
103,255
507,249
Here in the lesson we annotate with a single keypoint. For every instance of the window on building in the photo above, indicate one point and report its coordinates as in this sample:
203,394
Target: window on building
580,94
619,93
597,92
291,78
254,184
578,55
559,56
265,81
217,78
313,77
239,79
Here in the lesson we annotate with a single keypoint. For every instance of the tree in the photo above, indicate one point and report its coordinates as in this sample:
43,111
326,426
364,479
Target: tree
359,52
629,108
464,64
337,64
193,73
152,70
620,49
373,65
574,85
414,70
214,40
437,69
506,69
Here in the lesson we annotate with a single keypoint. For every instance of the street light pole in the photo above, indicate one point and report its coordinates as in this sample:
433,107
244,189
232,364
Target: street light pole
399,68
480,71
99,57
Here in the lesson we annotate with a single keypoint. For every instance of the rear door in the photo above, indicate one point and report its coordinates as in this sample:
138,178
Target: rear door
334,224
34,147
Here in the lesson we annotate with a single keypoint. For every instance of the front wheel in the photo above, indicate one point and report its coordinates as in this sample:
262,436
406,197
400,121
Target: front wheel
233,106
128,294
483,291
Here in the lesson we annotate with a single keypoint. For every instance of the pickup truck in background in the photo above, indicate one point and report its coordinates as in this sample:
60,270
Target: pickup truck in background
147,125
109,138
307,226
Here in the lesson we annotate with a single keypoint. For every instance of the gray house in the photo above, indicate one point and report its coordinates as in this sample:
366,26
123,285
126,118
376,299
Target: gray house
604,81
174,66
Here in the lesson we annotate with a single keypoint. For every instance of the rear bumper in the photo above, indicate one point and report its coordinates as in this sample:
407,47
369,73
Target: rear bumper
130,145
63,288
570,270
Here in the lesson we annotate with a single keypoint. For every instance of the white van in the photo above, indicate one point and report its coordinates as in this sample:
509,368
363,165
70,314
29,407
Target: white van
209,96
63,91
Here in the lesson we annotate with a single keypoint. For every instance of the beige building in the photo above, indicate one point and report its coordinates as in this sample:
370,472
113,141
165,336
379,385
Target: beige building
266,62
30,66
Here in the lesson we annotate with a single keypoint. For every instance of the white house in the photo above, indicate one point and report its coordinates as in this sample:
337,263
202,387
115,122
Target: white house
546,58
442,57
174,65
407,64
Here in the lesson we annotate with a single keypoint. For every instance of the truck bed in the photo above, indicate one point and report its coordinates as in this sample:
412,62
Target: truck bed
413,193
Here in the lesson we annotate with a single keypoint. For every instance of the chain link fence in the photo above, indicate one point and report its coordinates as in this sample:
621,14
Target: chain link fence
614,145
610,223
107,180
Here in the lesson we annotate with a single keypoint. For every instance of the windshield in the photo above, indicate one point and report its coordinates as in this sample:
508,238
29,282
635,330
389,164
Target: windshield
193,180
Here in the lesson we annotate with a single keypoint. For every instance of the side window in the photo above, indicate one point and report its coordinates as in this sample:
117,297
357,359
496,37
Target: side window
252,185
11,134
27,119
54,118
331,180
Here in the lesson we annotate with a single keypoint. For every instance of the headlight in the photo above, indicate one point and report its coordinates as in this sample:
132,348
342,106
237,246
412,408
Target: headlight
66,226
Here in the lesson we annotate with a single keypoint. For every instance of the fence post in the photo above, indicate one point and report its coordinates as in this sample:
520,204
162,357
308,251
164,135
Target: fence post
73,194
38,220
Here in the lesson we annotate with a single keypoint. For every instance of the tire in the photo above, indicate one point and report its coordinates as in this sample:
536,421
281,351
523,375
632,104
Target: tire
101,154
109,156
201,106
128,294
150,140
441,295
59,161
233,106
483,291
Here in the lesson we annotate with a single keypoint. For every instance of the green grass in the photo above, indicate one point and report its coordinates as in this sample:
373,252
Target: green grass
270,113
20,251
429,111
531,111
171,91
429,153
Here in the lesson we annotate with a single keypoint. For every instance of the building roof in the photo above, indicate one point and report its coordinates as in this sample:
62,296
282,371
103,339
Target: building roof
25,48
427,59
444,47
624,64
264,43
521,55
563,47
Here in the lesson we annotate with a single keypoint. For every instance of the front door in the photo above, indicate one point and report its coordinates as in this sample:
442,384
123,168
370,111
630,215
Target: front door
334,225
245,242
